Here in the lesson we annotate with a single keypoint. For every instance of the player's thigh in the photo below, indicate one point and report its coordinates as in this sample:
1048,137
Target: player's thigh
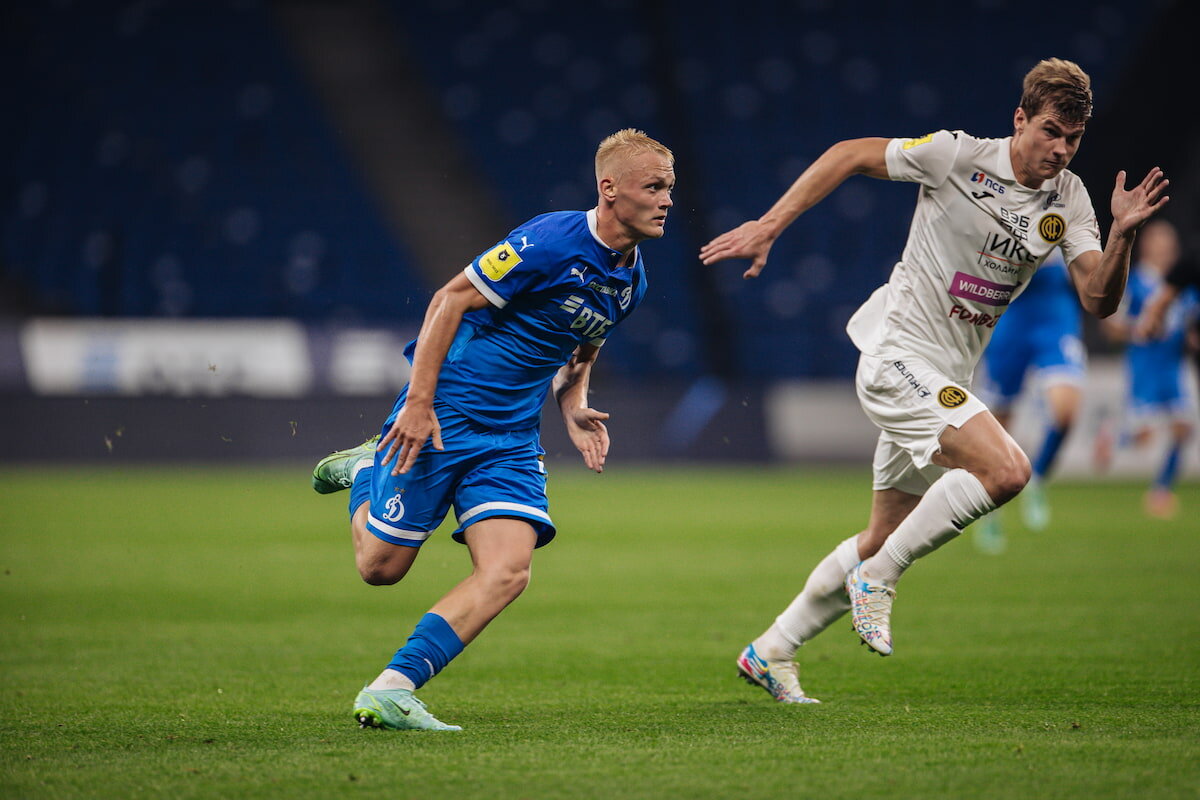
379,562
982,447
1063,401
1061,363
501,544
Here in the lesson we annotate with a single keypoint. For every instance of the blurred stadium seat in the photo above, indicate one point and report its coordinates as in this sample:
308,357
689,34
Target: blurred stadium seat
172,163
174,160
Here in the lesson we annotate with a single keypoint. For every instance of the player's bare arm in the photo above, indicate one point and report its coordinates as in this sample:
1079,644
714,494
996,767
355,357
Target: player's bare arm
1154,313
753,239
584,424
1100,277
417,421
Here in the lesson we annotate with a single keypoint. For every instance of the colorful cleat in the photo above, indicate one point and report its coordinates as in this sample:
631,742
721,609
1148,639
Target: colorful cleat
1161,503
396,710
1035,509
988,535
871,607
335,471
779,678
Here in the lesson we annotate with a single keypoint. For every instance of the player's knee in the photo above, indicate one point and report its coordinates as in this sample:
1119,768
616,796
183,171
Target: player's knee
1063,418
379,572
506,581
1007,478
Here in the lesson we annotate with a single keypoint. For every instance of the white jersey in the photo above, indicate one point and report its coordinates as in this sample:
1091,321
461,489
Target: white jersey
977,237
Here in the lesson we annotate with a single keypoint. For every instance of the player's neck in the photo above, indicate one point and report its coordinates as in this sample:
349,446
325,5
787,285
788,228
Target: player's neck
1022,175
615,235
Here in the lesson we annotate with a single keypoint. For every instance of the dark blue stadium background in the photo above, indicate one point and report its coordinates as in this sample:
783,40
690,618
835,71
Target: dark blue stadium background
171,159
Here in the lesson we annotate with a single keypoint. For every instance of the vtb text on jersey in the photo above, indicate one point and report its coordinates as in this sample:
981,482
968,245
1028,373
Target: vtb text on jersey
551,284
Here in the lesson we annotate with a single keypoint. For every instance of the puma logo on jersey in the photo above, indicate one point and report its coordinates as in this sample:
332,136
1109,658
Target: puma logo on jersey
525,243
580,273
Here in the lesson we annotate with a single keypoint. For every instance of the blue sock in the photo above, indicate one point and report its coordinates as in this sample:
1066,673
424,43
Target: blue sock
1050,445
431,647
360,491
1170,467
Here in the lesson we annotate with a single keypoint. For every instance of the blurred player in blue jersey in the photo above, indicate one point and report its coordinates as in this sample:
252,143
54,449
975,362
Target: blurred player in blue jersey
1037,338
526,317
1155,363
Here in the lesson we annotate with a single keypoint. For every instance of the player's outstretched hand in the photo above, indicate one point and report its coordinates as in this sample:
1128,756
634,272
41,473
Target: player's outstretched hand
749,240
589,435
1131,208
409,431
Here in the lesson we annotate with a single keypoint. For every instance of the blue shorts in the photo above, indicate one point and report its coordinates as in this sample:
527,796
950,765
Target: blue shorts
1049,350
1158,389
483,473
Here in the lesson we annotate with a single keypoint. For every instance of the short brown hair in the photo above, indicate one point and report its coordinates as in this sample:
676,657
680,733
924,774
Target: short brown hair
1060,87
625,143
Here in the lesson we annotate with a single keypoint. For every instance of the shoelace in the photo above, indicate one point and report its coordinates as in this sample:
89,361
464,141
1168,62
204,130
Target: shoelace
789,671
875,600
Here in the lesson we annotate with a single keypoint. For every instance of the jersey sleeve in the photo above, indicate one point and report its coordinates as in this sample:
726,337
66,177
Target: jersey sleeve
926,160
1083,229
513,267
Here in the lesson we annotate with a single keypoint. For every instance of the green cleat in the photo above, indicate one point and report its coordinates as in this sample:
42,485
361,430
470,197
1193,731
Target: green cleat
1035,508
988,535
335,471
397,710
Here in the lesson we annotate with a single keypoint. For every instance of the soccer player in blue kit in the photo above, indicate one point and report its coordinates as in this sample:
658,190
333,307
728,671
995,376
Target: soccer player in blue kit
1155,358
1039,338
526,317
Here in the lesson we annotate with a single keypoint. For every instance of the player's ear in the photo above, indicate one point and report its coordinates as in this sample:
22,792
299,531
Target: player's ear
608,188
1019,120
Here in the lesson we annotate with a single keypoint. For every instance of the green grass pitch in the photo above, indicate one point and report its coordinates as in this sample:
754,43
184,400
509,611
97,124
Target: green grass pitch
191,633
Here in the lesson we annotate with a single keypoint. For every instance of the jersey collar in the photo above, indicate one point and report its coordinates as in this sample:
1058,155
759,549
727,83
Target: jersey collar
1005,172
591,221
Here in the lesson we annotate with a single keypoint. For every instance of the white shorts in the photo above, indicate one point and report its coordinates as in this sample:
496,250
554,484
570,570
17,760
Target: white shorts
911,403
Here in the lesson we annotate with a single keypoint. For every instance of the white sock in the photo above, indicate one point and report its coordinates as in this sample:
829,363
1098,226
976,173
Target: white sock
821,602
953,502
392,679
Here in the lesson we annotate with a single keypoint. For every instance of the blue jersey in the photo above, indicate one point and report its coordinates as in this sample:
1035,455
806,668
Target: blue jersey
1049,299
1149,359
552,285
1039,331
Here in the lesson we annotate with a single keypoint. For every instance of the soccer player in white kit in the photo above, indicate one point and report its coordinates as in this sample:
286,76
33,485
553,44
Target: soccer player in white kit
988,213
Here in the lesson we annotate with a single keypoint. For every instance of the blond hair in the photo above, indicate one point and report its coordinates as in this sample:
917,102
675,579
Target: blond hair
1060,87
622,145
